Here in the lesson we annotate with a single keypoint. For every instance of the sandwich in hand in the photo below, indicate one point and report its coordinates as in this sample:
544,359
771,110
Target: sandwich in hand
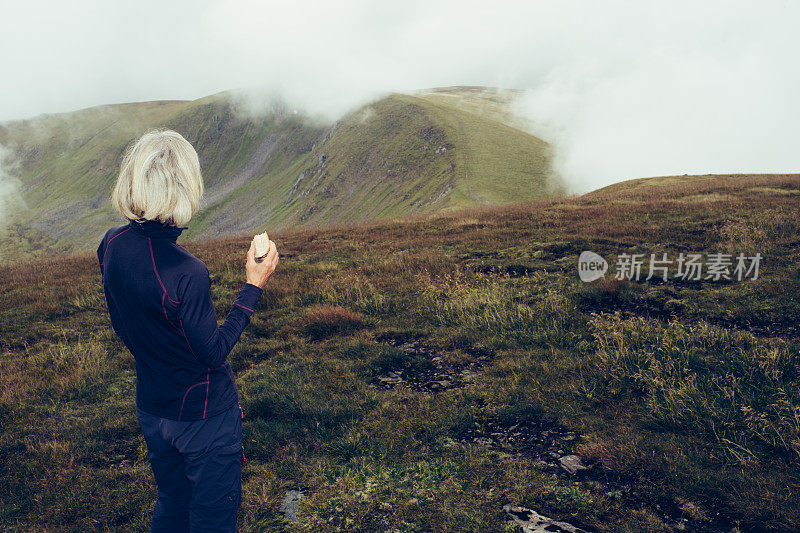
261,243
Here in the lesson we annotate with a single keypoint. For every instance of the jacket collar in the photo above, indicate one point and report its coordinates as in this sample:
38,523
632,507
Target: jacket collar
156,229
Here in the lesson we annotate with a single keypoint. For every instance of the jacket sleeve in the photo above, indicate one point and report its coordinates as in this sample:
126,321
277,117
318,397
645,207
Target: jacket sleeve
210,343
116,322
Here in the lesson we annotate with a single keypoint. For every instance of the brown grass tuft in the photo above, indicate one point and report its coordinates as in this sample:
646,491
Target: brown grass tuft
324,321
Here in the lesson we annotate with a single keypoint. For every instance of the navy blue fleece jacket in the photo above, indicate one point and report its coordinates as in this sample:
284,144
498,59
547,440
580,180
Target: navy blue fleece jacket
159,302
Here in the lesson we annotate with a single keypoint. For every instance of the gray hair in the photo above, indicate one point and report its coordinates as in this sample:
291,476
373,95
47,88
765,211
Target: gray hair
159,179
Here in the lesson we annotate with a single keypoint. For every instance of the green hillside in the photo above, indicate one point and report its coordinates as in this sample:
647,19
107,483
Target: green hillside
401,154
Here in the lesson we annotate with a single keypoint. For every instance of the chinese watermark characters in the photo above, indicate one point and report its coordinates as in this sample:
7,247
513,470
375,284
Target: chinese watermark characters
687,266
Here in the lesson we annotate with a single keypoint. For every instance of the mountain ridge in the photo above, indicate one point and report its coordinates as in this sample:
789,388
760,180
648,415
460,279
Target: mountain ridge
398,154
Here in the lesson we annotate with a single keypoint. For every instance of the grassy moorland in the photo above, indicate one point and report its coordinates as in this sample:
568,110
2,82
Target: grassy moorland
417,375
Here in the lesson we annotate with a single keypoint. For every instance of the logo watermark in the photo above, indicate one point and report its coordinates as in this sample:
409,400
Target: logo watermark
591,266
688,266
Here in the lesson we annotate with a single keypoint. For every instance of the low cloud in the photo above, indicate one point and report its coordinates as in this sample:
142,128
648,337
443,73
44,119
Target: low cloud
622,89
673,108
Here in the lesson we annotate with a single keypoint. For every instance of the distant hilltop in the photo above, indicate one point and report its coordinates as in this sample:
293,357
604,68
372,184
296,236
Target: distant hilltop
422,152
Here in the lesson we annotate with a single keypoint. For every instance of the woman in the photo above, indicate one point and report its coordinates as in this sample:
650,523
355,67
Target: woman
159,302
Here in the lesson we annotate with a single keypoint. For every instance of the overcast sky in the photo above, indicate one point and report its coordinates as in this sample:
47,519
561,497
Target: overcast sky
622,89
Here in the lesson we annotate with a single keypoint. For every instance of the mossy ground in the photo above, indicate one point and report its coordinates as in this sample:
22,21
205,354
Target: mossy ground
688,391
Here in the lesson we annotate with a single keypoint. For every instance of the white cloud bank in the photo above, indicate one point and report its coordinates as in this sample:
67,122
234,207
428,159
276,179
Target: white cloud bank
623,89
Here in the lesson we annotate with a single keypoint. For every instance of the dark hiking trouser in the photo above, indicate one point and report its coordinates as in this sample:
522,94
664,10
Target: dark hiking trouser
198,466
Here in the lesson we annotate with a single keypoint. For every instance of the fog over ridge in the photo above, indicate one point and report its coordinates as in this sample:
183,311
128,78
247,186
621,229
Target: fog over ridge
621,89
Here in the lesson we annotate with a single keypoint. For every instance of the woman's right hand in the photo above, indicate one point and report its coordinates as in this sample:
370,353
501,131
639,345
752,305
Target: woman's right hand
258,272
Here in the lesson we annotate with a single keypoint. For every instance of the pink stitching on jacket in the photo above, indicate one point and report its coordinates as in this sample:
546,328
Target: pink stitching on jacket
163,307
228,372
109,242
208,380
170,322
187,339
150,243
180,413
244,306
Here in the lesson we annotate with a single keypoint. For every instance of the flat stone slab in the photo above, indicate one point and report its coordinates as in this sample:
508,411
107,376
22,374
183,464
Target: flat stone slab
533,522
571,463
